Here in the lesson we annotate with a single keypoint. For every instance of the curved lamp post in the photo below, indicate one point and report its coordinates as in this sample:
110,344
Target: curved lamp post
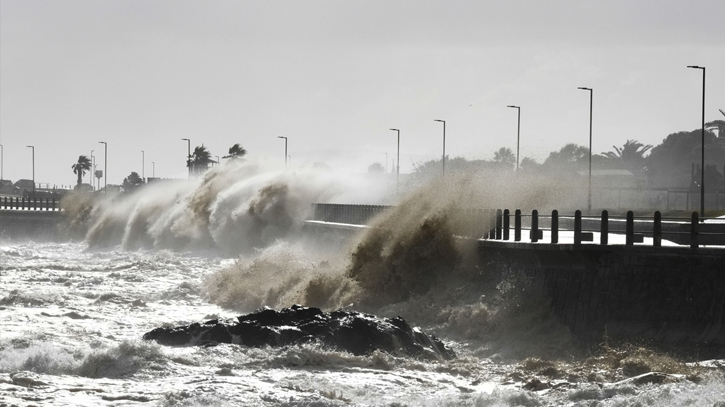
591,100
92,175
188,155
702,169
518,134
285,150
444,144
33,147
105,166
397,179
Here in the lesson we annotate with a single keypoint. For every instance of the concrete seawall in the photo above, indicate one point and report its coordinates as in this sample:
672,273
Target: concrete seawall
29,224
669,296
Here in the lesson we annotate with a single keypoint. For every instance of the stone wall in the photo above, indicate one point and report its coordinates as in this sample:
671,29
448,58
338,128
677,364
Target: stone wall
666,295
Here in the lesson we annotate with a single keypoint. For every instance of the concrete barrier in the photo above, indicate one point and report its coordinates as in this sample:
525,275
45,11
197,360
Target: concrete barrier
29,224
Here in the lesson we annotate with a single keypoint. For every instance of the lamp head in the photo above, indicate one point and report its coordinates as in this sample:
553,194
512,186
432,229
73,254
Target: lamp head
394,129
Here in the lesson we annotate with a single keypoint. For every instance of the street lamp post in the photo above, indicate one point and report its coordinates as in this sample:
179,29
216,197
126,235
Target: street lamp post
591,104
92,175
143,166
105,166
285,150
702,169
444,144
33,148
153,169
2,160
397,178
188,155
518,133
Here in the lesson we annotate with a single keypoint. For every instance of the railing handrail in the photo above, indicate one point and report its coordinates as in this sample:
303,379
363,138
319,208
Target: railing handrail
496,224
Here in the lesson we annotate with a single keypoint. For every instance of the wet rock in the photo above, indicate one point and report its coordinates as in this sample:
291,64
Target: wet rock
536,385
354,332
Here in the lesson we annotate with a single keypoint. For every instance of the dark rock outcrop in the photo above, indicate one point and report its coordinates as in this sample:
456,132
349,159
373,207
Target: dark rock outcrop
354,332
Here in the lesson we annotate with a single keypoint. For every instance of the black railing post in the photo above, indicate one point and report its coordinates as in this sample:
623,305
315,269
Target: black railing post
693,230
604,229
657,230
578,227
506,225
517,225
554,226
491,224
534,226
499,223
630,229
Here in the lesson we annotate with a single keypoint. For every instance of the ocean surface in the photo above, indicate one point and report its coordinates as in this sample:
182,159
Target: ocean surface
73,312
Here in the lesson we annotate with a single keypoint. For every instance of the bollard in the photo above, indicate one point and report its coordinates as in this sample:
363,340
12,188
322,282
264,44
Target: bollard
578,227
657,230
630,228
693,230
554,226
506,220
604,229
534,226
499,223
517,225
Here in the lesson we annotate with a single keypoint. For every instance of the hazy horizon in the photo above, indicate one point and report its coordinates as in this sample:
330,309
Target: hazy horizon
334,77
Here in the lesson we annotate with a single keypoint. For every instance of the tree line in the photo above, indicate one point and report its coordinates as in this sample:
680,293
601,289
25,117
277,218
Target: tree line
675,163
197,163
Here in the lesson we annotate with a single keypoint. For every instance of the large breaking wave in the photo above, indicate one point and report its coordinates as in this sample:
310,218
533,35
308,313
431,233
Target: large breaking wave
235,208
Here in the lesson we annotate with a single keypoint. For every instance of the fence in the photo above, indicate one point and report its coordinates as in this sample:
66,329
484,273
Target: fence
688,231
496,225
27,204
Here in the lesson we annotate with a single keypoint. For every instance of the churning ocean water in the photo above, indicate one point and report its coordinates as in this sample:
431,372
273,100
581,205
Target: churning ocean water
73,313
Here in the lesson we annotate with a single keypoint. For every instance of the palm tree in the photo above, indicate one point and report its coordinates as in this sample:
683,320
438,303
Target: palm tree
80,168
200,159
236,151
630,156
505,156
718,125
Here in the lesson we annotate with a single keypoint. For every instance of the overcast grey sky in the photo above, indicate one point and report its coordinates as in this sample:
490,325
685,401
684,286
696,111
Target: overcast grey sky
334,76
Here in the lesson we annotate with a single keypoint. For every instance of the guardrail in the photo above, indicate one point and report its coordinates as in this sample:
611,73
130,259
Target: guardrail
688,231
27,204
496,225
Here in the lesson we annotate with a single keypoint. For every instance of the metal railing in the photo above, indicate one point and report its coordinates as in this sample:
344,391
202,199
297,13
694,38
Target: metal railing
497,224
688,231
28,204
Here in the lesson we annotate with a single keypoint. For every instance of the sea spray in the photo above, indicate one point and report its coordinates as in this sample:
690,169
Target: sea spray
235,208
411,261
